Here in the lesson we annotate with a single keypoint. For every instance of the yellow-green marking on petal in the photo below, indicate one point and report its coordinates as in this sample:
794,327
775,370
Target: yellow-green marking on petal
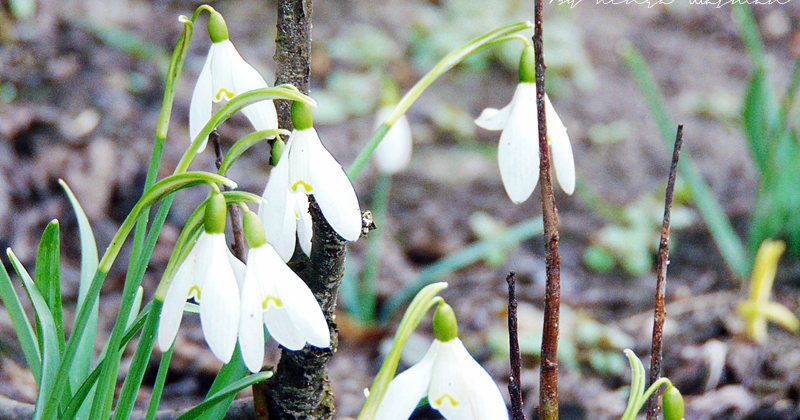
275,301
452,400
306,187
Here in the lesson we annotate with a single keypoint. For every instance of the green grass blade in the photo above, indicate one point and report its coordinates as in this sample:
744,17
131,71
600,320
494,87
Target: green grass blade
89,260
229,391
50,353
717,221
22,325
468,255
48,276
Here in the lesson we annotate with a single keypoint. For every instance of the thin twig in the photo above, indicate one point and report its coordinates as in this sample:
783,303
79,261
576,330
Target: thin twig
659,313
236,212
514,386
548,395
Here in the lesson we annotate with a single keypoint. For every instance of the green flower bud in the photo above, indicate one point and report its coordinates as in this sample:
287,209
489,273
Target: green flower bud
217,28
445,326
216,211
301,116
277,150
254,230
527,66
673,403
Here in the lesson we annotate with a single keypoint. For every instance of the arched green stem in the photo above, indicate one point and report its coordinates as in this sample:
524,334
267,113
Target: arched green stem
441,68
422,303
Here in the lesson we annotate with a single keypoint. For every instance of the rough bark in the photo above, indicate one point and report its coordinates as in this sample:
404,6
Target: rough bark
292,51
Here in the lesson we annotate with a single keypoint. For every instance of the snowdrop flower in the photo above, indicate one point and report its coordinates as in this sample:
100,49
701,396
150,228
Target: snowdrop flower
518,152
207,276
306,167
453,381
394,152
272,294
225,74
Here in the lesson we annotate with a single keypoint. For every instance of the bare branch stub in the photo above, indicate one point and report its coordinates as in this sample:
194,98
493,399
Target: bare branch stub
659,312
514,385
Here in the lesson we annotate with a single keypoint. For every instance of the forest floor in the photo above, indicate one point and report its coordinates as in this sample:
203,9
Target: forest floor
80,95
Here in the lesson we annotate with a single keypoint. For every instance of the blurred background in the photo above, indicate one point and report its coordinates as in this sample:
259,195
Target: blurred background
81,85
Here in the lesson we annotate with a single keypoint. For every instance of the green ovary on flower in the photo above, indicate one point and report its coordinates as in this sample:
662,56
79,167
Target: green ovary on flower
445,326
217,28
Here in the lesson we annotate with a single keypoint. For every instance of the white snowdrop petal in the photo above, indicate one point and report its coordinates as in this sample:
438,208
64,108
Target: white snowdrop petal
486,401
448,391
518,151
304,224
301,307
239,269
223,72
251,323
394,152
273,213
200,104
219,302
175,300
493,119
562,158
333,191
300,160
261,114
408,388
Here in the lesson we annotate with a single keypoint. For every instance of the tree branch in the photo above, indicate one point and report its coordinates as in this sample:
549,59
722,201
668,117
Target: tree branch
514,386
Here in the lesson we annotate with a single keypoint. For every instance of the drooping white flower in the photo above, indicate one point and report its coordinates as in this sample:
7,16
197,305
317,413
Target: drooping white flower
518,152
272,294
225,74
394,152
207,276
449,376
306,167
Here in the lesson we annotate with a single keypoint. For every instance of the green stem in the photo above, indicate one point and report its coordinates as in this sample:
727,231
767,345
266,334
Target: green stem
420,306
158,387
447,63
234,105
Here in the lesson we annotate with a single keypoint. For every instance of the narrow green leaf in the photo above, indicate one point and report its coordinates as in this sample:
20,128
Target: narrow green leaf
229,391
22,325
141,357
758,114
48,276
50,353
89,260
228,375
87,387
